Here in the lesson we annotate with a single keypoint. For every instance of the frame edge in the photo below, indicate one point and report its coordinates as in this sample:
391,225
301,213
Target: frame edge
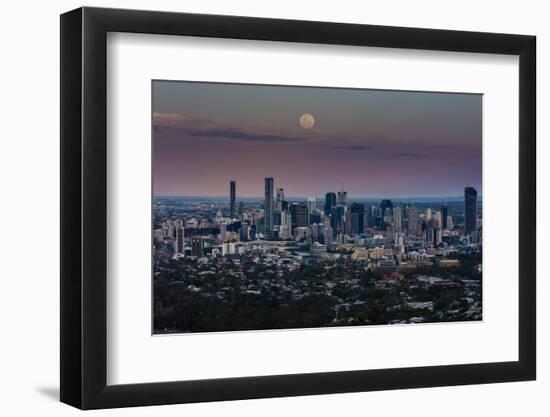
71,192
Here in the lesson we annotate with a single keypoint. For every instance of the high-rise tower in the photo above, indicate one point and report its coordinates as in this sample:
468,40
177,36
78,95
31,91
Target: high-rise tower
357,218
343,198
232,197
412,219
470,210
280,199
444,215
268,207
330,202
299,215
179,243
397,219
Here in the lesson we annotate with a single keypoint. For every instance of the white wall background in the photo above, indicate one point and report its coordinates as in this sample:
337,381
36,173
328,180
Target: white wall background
29,177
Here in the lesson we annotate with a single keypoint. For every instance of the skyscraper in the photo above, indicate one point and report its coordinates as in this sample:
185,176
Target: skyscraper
357,218
347,222
337,219
374,217
311,204
299,215
330,202
470,210
412,219
430,231
397,219
450,224
268,207
438,236
280,199
437,218
232,196
328,234
179,244
197,246
444,215
384,205
343,198
244,233
399,240
315,217
428,214
386,213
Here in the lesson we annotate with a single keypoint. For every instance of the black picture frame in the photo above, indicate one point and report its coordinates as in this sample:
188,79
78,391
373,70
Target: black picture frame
84,207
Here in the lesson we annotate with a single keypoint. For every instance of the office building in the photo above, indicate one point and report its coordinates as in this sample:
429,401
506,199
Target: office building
311,204
343,198
301,234
244,233
232,197
280,199
337,219
284,231
328,234
314,232
438,236
444,216
428,214
315,217
399,240
397,219
299,215
347,222
223,232
330,202
412,219
268,207
430,231
179,242
437,218
470,210
197,246
450,223
374,217
357,218
385,205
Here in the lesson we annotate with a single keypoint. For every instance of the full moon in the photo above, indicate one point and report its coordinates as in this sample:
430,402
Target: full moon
307,121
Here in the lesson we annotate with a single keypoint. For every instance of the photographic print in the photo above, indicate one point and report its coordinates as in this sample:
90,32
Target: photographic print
283,207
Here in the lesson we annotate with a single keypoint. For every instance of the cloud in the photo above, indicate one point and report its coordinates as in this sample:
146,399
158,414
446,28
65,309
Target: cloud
239,134
353,147
190,125
411,155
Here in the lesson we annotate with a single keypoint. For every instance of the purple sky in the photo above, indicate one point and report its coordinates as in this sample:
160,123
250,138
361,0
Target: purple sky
376,143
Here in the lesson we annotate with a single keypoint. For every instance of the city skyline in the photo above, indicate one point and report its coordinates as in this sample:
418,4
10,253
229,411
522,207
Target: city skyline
378,144
233,195
280,263
321,197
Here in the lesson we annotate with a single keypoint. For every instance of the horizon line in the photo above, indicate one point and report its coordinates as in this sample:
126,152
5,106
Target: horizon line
318,198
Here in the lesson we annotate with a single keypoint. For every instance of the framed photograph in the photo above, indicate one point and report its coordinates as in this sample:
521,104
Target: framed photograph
257,208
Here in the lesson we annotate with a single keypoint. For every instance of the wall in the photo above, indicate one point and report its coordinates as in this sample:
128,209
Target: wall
29,175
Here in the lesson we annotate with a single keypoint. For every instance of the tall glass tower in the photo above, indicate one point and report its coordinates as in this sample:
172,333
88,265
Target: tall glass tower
268,207
330,202
232,196
470,210
444,214
357,218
